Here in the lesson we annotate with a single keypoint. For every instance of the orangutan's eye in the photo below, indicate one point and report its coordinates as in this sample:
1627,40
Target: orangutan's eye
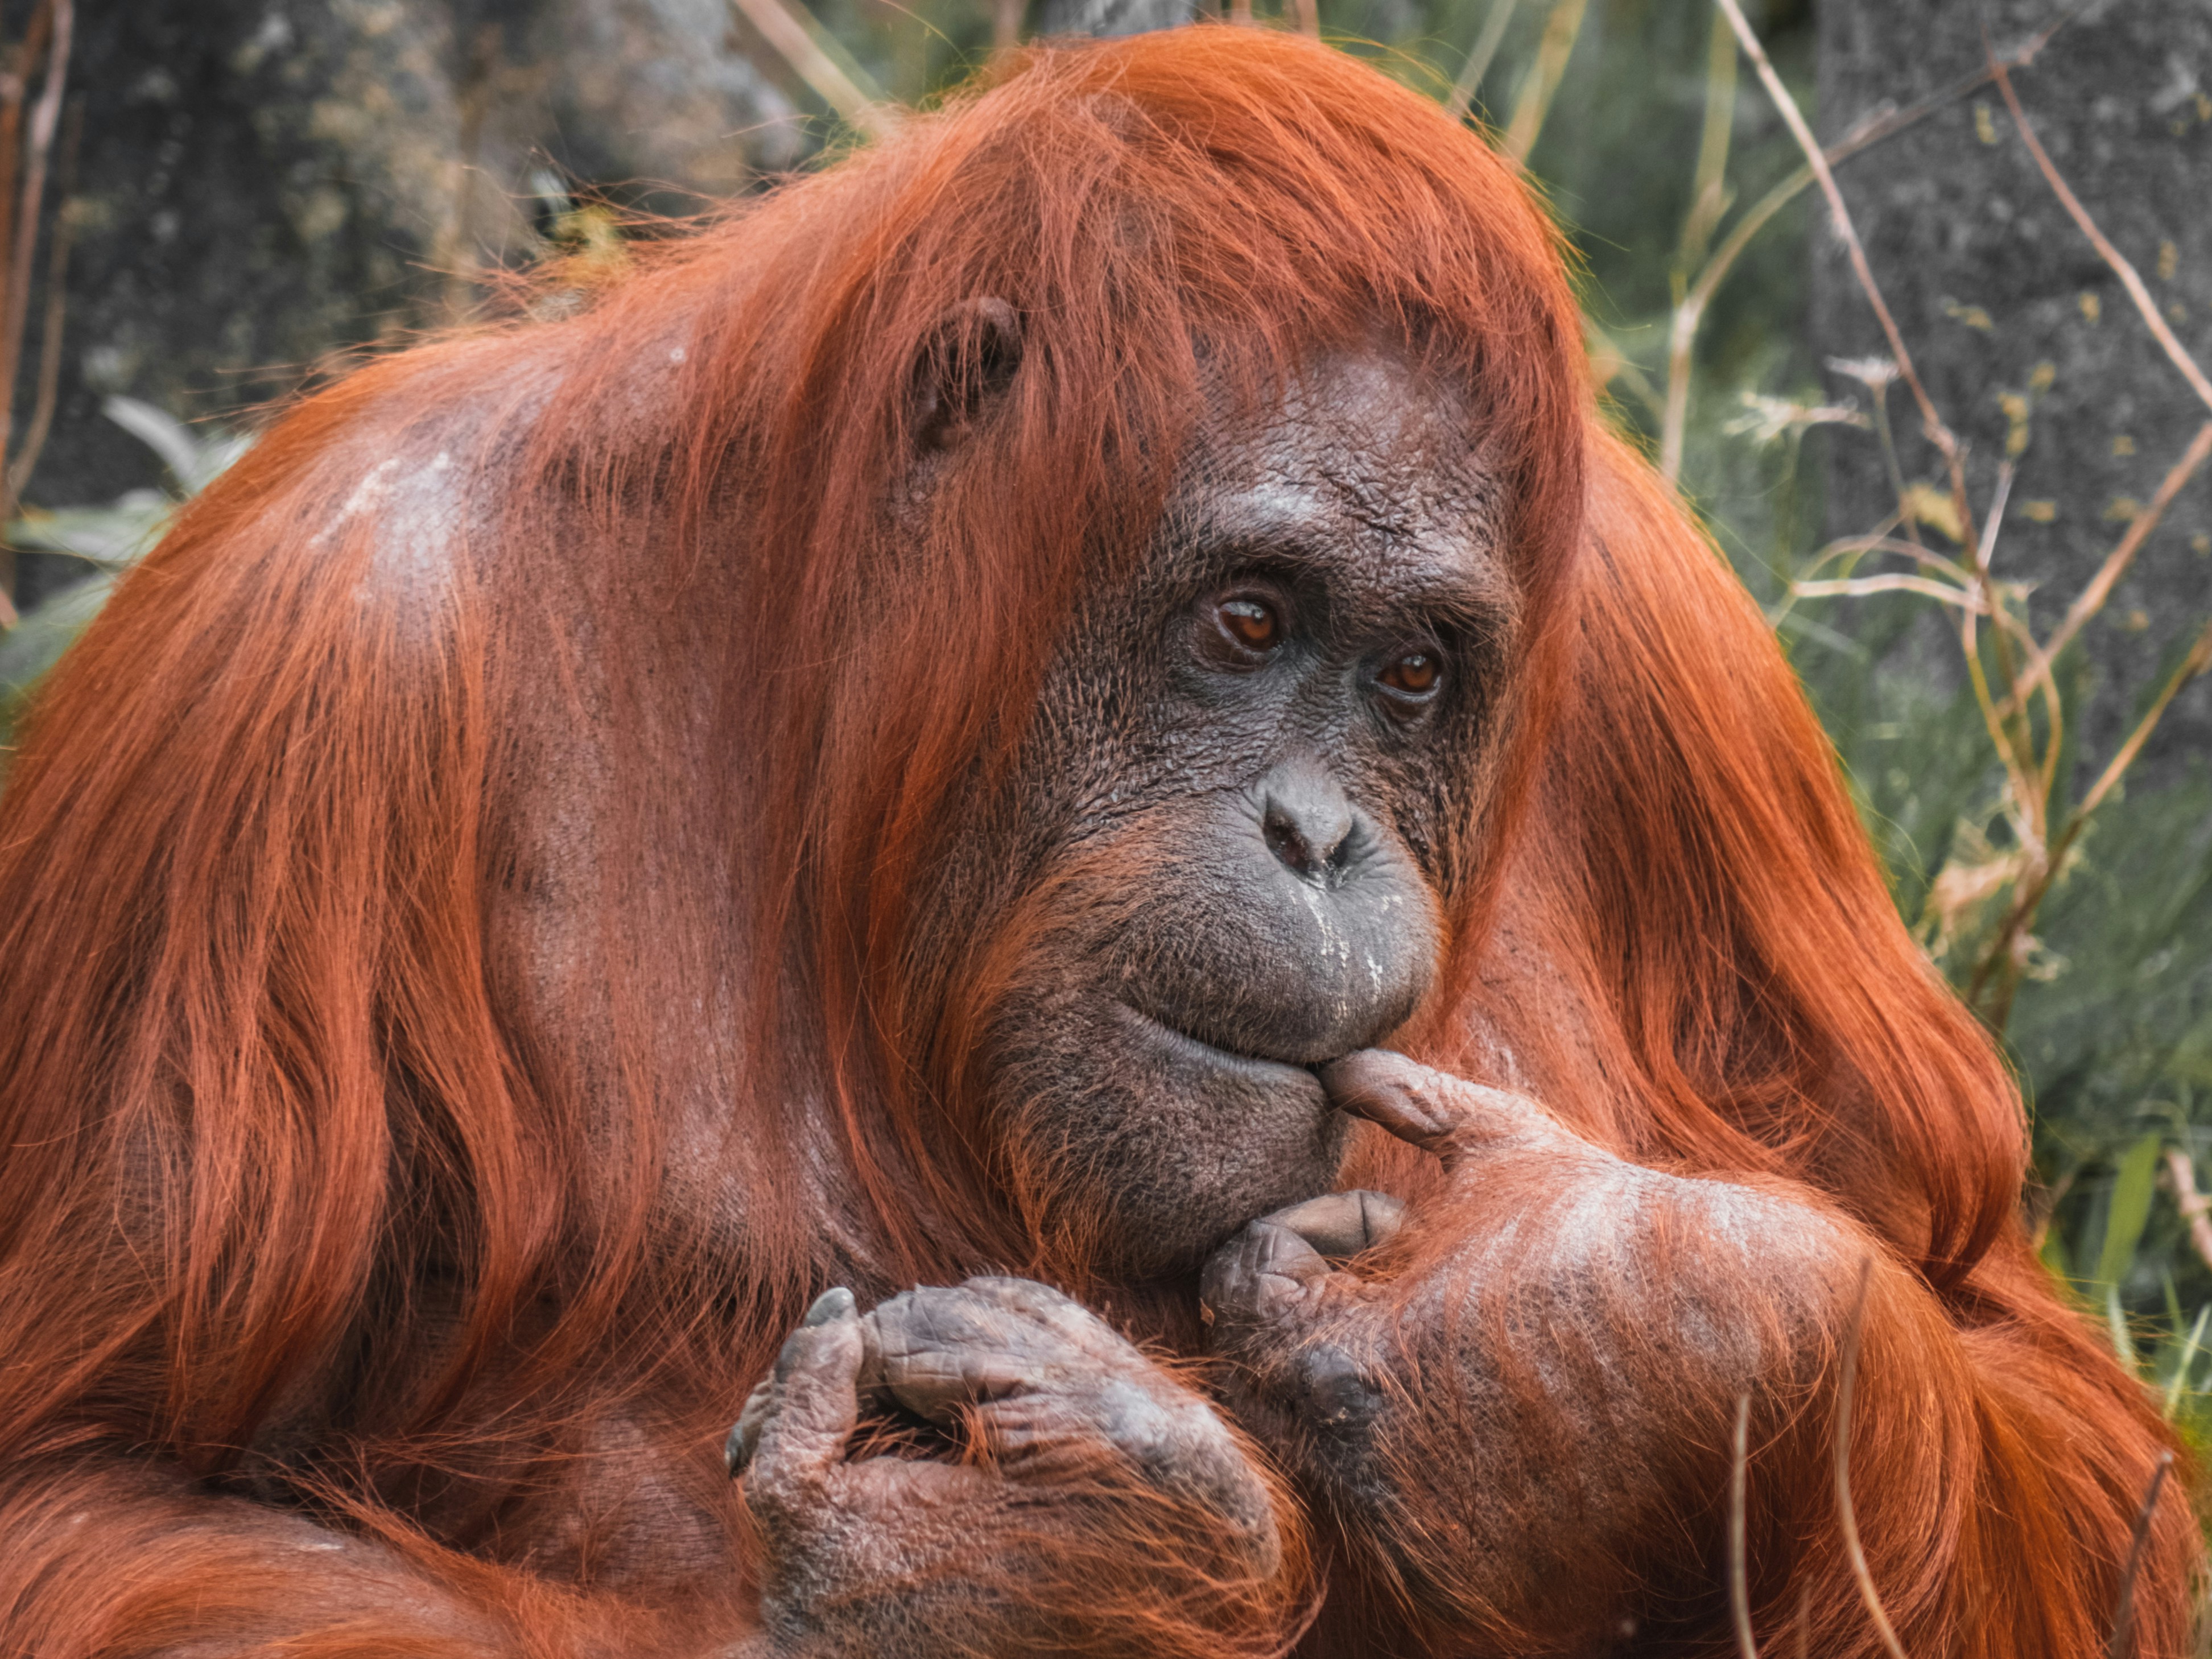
1411,680
1251,626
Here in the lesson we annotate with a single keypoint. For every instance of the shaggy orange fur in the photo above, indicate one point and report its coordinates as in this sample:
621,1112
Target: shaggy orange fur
461,852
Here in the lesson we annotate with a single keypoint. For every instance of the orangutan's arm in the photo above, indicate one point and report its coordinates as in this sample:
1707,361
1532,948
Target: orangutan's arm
126,1560
1524,1417
1106,1509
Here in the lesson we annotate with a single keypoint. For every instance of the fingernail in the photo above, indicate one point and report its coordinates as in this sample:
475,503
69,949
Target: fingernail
736,1454
834,1303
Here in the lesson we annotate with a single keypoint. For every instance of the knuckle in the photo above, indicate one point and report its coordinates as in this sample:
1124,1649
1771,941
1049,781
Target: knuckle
1333,1391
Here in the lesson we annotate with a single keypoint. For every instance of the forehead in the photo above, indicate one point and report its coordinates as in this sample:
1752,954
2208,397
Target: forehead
1364,459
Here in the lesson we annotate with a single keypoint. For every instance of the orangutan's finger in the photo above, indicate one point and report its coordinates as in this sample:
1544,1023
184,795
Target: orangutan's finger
797,1424
1258,1278
942,1349
745,1434
1434,1110
1340,1224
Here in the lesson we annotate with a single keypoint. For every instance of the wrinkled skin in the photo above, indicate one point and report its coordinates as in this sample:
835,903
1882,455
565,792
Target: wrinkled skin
1232,858
1490,1361
1055,1401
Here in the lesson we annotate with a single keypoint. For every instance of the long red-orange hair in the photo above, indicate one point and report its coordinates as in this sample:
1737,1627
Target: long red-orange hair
476,851
473,760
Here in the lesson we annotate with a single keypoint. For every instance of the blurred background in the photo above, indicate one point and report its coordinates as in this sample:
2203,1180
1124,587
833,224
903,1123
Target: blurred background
1998,596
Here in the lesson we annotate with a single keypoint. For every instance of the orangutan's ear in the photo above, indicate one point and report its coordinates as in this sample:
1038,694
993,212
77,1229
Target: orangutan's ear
965,365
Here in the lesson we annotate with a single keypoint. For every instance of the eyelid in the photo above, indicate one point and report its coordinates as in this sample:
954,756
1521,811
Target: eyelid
1217,635
1401,699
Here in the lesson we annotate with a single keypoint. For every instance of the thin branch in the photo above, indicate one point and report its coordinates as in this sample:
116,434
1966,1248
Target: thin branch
1477,61
784,25
2123,1616
1939,433
1880,541
15,86
2018,737
2033,892
2112,256
1859,587
46,116
1845,1515
1739,1578
2198,659
50,335
1869,132
2196,1209
2092,598
1561,30
1690,313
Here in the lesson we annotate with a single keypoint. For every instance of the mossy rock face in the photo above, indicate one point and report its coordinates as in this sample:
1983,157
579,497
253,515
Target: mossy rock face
268,185
2019,330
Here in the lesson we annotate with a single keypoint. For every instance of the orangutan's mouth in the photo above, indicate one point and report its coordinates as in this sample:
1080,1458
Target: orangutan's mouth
1158,1034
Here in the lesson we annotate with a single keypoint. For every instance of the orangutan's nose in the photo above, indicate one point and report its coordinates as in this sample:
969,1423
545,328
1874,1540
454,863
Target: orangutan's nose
1307,820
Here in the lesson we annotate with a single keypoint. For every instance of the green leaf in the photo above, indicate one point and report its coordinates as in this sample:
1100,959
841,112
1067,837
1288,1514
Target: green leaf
2180,1382
117,534
34,644
2116,1317
2053,1254
2130,1209
195,460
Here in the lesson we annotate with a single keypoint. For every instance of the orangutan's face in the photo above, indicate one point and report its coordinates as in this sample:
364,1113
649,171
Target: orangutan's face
1251,773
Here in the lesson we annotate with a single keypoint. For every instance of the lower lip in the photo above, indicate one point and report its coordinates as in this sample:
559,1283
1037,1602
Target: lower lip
1189,1047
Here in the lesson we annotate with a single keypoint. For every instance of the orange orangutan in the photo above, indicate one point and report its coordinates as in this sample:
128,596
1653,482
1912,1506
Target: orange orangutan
922,737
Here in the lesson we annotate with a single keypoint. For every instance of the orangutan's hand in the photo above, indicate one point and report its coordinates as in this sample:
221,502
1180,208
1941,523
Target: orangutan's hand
1441,1400
1102,1507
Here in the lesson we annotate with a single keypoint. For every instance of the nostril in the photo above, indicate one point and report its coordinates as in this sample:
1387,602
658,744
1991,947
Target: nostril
1308,823
1284,841
1298,849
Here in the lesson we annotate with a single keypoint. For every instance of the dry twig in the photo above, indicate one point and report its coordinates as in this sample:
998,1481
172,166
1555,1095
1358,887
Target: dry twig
2091,599
2196,1209
1689,310
50,337
1846,1517
1931,422
1739,1576
2110,255
784,25
2124,1614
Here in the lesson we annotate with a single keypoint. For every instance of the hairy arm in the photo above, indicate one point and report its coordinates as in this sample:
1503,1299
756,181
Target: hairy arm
1520,1409
1097,1507
123,1559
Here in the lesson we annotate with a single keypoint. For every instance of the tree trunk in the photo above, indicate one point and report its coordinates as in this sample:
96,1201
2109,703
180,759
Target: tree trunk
2000,296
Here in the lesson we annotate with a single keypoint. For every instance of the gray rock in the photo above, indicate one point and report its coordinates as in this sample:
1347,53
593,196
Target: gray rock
267,186
1989,278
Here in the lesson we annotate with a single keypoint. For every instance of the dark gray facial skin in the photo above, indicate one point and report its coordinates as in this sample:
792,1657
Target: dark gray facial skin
1238,800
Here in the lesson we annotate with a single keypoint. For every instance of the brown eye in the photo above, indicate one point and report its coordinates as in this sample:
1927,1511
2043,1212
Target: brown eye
1250,623
1414,676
